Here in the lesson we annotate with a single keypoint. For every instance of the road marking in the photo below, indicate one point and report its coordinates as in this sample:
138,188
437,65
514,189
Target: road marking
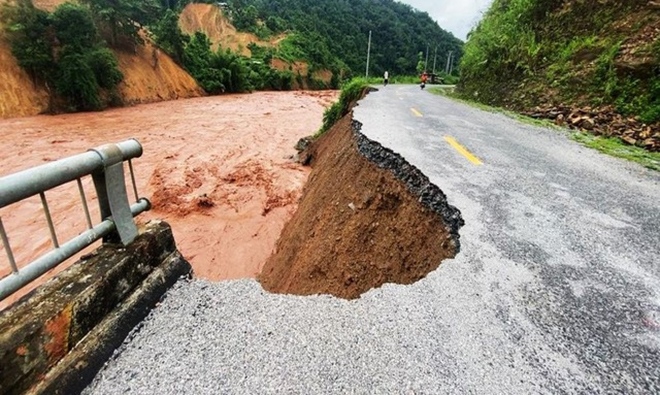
463,151
417,113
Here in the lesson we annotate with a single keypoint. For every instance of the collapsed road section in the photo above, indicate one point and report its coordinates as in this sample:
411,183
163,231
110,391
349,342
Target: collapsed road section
367,217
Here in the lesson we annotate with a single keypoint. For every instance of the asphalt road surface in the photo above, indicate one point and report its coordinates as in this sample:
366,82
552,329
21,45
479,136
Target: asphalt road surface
556,288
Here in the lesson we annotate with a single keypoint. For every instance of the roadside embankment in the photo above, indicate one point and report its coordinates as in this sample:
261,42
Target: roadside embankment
366,218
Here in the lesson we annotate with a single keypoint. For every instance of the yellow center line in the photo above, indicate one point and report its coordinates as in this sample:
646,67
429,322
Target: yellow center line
417,113
463,151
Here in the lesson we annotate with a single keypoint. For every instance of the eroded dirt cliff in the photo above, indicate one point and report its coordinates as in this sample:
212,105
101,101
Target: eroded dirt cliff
150,75
211,20
18,94
366,218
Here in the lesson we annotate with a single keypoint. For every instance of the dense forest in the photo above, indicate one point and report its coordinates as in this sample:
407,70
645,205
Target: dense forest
569,53
336,32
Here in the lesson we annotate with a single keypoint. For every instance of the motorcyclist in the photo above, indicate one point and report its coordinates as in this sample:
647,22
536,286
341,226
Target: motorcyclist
424,78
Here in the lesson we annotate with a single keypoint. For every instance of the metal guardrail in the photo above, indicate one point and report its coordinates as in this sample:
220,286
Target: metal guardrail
106,166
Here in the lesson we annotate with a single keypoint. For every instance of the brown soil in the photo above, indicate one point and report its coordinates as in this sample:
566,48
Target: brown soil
47,5
18,95
209,19
218,169
302,69
297,68
149,75
356,228
322,75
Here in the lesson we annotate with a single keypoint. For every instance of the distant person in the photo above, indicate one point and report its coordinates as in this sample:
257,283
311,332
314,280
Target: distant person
386,78
424,78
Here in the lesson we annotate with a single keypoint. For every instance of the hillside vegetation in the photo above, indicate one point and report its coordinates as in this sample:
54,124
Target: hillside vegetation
90,54
335,33
81,57
593,64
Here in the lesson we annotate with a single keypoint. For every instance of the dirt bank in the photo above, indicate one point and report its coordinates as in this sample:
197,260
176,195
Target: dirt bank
18,95
218,169
150,75
366,218
210,20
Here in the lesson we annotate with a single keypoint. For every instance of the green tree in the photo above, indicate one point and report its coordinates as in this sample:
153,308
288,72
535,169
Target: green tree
76,81
74,26
124,17
31,36
63,50
168,35
105,67
197,60
334,33
421,66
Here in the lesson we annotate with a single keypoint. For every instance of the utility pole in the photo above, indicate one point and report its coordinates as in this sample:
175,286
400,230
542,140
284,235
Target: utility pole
426,62
448,61
368,54
451,64
435,56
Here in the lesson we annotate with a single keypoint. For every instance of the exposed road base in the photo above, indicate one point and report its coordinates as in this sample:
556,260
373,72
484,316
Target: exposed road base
366,218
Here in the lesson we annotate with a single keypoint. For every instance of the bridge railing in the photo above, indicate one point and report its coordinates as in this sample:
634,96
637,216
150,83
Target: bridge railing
106,166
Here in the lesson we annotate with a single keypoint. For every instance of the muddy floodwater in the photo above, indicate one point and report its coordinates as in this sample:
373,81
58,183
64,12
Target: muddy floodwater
218,169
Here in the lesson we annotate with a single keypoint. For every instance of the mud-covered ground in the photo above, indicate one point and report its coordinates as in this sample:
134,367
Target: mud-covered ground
218,169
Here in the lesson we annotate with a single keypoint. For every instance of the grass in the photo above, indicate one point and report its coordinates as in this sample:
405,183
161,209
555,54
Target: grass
612,146
615,147
350,92
449,92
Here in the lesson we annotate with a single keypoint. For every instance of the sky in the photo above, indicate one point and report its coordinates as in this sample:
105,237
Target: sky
456,16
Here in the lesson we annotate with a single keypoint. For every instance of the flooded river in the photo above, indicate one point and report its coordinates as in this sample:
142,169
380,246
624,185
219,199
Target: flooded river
218,169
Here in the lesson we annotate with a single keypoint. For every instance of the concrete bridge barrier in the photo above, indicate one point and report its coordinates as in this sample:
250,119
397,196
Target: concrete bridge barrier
55,339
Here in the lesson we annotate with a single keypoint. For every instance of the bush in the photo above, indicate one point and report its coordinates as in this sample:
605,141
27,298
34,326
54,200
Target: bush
226,71
169,37
105,67
74,26
27,29
350,93
77,83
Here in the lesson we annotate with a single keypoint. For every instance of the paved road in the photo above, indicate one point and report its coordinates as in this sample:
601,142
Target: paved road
556,289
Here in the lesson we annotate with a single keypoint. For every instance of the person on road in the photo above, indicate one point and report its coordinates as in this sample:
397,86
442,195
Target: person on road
423,78
386,78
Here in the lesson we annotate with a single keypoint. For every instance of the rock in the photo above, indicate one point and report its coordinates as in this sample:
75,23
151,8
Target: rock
649,143
303,143
553,114
629,140
587,124
575,119
646,133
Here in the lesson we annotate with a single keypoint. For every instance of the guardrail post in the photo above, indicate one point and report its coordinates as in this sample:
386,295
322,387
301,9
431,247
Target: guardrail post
113,199
106,166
